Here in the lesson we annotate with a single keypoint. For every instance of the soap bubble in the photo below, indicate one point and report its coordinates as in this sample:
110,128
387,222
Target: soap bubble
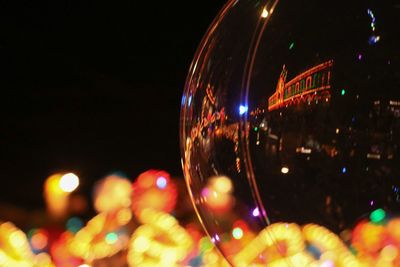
298,105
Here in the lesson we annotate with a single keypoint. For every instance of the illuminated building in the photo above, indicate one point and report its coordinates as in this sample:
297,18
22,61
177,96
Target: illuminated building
306,86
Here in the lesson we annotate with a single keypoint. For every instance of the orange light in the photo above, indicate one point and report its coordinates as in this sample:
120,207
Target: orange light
264,13
39,240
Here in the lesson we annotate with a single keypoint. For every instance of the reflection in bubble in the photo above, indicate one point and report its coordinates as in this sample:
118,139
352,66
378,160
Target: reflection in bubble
299,106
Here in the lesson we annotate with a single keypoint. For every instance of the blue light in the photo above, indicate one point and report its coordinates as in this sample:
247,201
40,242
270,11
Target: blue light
374,39
189,100
161,182
344,170
243,109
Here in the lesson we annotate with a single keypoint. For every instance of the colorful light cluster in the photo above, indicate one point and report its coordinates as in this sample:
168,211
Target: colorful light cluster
154,189
150,236
15,250
218,194
160,241
101,237
57,189
112,193
377,242
284,244
373,38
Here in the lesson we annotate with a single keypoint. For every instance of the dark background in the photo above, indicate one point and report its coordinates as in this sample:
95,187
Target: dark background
92,87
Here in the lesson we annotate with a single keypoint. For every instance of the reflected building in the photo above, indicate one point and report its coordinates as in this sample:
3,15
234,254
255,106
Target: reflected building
315,144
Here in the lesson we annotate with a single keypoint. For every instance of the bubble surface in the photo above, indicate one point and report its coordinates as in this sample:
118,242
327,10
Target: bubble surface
298,106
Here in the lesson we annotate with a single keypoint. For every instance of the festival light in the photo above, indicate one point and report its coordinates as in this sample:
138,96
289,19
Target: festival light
285,170
218,194
39,239
15,250
57,189
69,182
99,238
377,216
160,241
243,109
264,13
154,189
112,193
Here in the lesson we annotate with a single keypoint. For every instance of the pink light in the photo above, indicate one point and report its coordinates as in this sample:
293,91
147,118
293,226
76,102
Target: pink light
256,212
328,263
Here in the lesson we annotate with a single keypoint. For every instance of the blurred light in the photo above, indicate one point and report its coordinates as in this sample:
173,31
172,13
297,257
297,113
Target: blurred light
256,212
264,13
74,224
360,56
69,182
389,253
243,109
161,182
285,170
343,92
39,240
374,39
124,216
17,239
237,233
291,46
328,263
217,238
255,129
222,184
111,238
344,170
112,193
84,265
337,130
377,216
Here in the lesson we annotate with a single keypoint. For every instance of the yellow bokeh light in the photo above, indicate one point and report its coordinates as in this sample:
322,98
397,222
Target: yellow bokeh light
389,253
222,184
17,239
285,170
141,244
264,13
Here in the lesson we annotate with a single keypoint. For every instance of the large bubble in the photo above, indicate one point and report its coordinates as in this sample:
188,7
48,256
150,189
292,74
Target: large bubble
290,133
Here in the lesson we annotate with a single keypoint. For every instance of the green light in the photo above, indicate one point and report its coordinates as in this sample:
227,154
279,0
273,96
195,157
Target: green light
343,91
291,46
237,233
31,233
377,216
111,238
205,244
255,129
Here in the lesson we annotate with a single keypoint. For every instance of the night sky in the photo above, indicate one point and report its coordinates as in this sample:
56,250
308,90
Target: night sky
92,87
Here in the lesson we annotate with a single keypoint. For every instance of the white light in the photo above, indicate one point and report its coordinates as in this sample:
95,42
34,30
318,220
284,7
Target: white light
69,182
264,13
243,109
285,170
162,182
